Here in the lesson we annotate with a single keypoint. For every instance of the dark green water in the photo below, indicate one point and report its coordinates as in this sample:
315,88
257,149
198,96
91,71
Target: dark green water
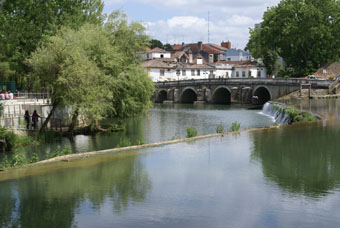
287,177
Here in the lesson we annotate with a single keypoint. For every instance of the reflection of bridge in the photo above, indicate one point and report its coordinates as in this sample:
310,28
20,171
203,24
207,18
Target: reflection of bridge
225,91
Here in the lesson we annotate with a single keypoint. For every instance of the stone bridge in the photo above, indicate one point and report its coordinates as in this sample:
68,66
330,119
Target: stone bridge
225,91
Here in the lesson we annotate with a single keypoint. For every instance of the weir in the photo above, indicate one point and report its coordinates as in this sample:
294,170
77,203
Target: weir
277,111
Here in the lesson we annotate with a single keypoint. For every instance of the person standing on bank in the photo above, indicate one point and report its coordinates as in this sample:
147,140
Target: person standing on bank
35,118
27,119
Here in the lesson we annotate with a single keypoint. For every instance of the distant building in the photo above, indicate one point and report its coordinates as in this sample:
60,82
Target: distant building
201,61
156,53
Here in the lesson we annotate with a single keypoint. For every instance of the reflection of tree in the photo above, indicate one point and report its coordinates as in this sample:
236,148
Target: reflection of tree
300,159
7,204
51,200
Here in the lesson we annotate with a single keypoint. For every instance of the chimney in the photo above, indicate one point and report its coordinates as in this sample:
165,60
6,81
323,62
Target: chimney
199,45
226,45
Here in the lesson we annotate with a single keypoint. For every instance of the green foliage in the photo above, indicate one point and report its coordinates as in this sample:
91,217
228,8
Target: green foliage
5,163
25,24
303,33
123,142
156,43
140,142
95,70
235,126
295,115
176,136
34,158
219,129
331,78
18,159
60,152
191,132
13,140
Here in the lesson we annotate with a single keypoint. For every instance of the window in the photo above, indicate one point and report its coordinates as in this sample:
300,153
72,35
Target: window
198,72
237,74
227,74
162,56
258,73
229,59
192,72
249,73
162,72
243,74
178,72
184,72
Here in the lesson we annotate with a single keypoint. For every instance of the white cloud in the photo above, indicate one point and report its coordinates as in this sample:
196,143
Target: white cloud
192,29
188,19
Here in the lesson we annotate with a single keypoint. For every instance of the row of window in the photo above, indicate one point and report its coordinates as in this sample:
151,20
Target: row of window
249,74
198,73
184,72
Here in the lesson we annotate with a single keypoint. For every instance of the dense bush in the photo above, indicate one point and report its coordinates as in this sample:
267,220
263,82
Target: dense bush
235,126
219,129
191,132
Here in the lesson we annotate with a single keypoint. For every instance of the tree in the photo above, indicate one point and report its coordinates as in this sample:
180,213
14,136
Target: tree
94,70
156,43
303,32
24,25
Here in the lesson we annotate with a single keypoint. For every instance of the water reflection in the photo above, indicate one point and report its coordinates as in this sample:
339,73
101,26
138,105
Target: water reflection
51,200
302,159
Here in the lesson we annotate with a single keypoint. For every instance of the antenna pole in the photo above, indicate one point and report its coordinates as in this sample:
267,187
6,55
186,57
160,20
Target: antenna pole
208,27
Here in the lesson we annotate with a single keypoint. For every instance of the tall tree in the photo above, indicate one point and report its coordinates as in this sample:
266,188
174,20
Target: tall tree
303,32
94,69
24,24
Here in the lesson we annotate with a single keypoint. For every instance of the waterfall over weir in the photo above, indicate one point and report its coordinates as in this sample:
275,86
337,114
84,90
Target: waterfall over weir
276,111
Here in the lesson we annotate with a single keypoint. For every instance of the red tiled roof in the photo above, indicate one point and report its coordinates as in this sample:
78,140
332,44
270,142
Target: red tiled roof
205,48
245,62
177,47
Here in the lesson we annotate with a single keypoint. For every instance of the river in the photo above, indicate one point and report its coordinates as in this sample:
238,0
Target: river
161,123
286,177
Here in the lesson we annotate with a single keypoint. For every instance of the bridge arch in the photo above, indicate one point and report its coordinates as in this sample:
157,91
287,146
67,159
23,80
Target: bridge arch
261,95
221,95
162,95
188,95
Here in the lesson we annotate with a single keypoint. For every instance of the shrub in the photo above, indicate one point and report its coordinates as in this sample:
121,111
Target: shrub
191,132
18,159
34,158
123,142
235,126
176,136
140,142
331,78
219,129
60,152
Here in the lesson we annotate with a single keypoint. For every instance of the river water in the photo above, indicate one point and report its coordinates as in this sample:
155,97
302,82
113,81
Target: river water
161,123
286,177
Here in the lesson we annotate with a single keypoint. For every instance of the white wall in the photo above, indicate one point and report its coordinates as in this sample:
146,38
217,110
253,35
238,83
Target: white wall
158,55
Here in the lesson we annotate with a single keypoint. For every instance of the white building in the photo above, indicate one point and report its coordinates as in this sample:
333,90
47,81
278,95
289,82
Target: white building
157,53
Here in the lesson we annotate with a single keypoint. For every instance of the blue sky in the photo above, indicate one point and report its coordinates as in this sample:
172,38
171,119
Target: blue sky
178,21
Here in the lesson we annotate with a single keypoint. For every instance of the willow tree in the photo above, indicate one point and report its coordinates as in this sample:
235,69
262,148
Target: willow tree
94,70
303,32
